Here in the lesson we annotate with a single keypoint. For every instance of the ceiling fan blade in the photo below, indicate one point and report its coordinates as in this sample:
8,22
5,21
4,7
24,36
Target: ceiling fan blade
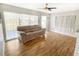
51,7
47,8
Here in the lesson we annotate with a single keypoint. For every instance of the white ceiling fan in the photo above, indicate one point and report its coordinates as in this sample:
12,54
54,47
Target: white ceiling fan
48,8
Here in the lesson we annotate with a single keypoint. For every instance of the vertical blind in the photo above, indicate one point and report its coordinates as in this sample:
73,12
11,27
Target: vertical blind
65,23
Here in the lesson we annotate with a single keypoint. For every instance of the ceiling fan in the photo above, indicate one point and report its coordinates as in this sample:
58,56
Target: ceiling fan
48,8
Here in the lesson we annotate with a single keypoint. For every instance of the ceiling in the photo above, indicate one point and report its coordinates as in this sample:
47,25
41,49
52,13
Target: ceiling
61,7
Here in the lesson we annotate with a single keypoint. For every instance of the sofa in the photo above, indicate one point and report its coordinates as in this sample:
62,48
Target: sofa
27,33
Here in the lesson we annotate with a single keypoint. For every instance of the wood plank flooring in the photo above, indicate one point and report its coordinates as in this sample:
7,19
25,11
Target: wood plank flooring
53,44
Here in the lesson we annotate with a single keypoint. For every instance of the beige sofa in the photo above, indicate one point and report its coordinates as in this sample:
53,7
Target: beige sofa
28,33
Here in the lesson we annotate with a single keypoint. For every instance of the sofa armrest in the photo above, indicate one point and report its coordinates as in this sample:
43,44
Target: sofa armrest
21,32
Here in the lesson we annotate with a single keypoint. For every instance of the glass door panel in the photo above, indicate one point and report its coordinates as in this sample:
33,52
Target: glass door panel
11,21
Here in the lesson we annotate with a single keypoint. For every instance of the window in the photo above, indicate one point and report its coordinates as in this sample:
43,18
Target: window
24,19
33,20
28,20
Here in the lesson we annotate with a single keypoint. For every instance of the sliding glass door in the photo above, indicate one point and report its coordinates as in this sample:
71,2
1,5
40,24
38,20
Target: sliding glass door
11,21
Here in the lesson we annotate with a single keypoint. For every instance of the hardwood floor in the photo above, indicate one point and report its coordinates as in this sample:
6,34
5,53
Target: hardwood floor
53,44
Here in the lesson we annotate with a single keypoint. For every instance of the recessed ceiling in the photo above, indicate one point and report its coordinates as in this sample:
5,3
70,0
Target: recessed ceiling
61,7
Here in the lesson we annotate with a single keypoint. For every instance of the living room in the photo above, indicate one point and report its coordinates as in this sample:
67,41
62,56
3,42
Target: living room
44,29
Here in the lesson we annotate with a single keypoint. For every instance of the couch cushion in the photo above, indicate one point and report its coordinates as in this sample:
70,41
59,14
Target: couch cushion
32,32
